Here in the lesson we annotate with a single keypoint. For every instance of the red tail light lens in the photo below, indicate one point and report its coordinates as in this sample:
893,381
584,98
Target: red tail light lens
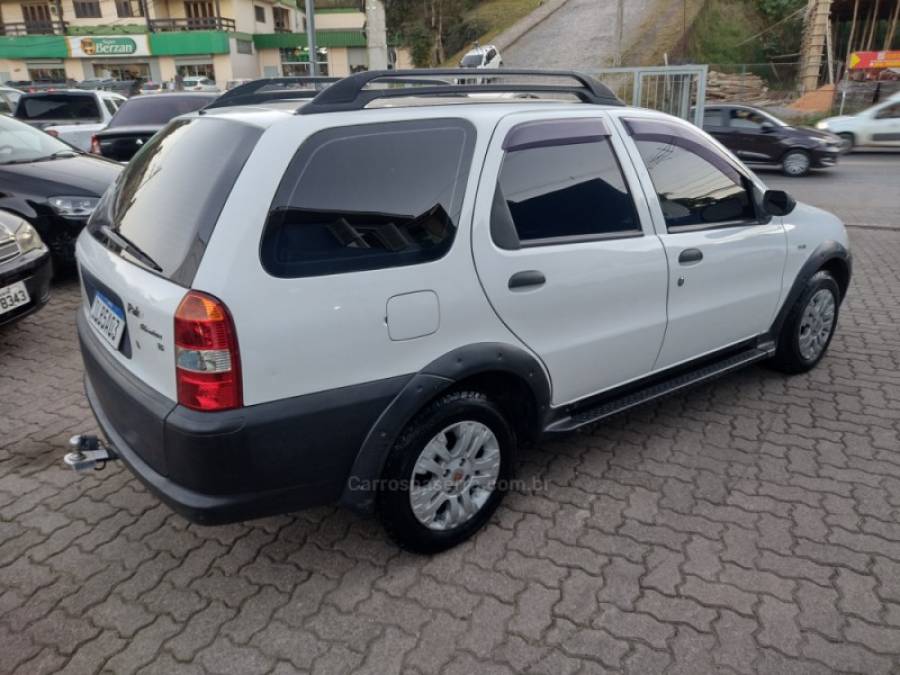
207,360
53,132
95,146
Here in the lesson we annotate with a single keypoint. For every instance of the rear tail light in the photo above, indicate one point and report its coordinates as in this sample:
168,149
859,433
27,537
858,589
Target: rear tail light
95,146
207,360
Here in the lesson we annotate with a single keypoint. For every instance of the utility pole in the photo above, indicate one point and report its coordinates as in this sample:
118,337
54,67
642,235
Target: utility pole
311,37
620,25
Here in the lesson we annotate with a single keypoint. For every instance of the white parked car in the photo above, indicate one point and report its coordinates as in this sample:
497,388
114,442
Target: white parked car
878,126
72,115
9,98
199,84
378,305
487,56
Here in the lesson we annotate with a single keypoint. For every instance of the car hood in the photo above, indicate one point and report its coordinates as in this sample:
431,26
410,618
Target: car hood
132,130
840,121
809,132
81,175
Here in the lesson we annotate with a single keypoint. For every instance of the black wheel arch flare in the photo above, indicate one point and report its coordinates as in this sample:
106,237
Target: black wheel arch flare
439,376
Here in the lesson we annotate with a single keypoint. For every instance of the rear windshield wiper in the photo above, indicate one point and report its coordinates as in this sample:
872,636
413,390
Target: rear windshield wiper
130,247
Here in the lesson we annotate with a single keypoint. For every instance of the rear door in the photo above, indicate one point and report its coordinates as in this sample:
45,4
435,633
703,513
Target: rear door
566,253
725,258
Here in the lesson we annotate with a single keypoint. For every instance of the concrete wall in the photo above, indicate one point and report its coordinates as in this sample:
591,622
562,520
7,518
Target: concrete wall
338,63
340,20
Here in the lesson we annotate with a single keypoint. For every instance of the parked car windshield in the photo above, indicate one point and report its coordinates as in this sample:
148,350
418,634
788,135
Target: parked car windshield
22,143
58,107
472,60
157,110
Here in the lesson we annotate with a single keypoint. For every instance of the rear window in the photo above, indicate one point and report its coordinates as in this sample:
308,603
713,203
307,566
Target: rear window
58,107
168,199
369,197
157,110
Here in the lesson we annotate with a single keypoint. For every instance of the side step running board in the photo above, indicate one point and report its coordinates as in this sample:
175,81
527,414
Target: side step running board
657,390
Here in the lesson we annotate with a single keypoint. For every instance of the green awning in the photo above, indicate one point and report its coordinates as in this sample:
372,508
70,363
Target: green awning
324,38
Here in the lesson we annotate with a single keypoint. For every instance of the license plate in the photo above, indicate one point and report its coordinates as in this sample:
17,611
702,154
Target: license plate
108,319
13,296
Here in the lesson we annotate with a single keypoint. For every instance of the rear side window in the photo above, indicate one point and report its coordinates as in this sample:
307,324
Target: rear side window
168,199
562,193
57,107
157,110
368,197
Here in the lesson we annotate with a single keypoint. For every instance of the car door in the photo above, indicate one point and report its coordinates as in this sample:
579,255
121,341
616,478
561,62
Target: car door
726,259
752,137
884,128
565,251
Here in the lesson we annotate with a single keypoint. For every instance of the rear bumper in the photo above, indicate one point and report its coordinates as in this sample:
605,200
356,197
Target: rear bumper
224,467
35,270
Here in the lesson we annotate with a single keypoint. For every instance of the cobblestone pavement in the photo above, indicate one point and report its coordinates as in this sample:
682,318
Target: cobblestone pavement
748,526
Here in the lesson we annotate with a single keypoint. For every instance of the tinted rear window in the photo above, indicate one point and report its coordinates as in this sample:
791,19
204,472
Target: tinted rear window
368,197
58,107
168,198
157,109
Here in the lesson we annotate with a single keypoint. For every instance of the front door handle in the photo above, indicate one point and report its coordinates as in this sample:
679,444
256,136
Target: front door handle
526,279
690,255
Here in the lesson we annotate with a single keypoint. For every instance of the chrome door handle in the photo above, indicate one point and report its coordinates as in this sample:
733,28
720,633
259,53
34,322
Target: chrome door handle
690,255
526,279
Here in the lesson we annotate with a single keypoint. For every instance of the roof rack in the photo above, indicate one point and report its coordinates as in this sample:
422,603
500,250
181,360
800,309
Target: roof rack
353,93
272,89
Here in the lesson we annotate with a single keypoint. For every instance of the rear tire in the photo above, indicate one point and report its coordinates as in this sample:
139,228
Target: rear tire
809,326
447,473
795,163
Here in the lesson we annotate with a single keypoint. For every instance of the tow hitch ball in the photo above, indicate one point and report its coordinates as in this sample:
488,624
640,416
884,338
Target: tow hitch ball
88,452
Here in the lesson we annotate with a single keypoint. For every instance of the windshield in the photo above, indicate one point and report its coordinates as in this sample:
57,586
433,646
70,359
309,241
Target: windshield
471,60
22,143
58,107
157,110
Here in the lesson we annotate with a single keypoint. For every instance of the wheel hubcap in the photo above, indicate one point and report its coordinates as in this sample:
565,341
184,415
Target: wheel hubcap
816,324
454,476
796,163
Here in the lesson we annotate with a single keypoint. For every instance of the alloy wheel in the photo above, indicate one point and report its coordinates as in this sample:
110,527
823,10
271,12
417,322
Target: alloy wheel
817,324
455,475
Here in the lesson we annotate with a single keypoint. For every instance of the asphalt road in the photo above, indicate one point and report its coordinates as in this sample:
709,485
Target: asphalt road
863,189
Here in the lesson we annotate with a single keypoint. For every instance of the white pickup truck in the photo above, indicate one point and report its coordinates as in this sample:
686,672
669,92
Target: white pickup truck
72,115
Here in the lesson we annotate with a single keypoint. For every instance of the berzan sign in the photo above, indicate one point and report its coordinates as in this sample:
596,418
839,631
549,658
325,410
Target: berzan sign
108,46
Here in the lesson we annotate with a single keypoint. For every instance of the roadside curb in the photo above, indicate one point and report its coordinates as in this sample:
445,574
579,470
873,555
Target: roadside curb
512,34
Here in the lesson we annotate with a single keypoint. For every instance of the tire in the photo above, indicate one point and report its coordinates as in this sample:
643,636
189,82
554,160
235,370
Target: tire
848,140
804,339
796,163
430,442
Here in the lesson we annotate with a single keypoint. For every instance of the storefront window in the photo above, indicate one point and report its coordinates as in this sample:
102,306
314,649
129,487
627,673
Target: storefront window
122,71
197,70
49,74
295,62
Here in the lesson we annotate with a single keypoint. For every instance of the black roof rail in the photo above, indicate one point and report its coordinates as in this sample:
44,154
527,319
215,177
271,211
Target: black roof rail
352,93
272,89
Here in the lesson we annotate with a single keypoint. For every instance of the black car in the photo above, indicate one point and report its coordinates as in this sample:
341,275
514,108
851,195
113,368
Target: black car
25,269
758,137
51,185
141,117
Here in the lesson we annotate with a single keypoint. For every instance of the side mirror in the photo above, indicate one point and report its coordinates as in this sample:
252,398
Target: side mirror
767,127
778,202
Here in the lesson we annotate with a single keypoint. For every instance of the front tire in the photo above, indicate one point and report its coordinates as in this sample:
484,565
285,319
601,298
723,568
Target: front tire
809,326
848,140
795,163
447,473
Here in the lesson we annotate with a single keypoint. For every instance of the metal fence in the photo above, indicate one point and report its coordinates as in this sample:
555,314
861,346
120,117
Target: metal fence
677,90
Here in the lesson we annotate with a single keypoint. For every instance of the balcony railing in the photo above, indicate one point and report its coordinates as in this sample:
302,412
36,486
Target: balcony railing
282,29
201,23
51,27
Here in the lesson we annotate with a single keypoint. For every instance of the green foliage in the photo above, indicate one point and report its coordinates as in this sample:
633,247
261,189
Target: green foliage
728,31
